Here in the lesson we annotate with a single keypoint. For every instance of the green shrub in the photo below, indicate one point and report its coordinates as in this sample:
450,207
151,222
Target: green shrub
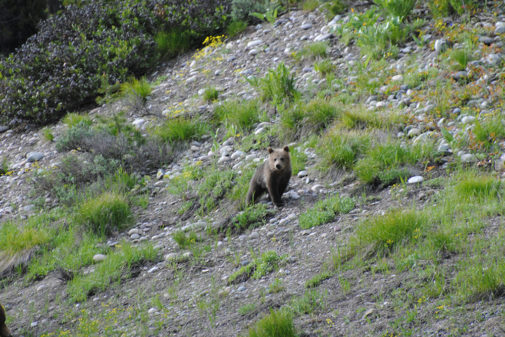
443,8
213,188
325,211
137,92
15,238
278,85
325,67
335,7
278,323
241,9
259,267
489,131
313,51
105,213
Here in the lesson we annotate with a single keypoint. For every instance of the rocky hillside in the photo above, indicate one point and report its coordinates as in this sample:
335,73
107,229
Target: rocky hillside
392,222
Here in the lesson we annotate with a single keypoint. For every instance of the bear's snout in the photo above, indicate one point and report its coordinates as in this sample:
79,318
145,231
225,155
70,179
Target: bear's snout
278,166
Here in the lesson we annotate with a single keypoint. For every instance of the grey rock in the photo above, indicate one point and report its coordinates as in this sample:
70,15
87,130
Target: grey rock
139,123
499,27
468,158
223,159
302,174
493,59
499,164
237,154
133,231
98,257
323,37
460,75
134,236
444,148
34,156
241,288
292,195
254,235
467,119
306,26
397,78
254,43
153,270
486,40
3,128
413,132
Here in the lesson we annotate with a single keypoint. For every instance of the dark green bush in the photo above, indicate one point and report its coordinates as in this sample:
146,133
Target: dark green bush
64,65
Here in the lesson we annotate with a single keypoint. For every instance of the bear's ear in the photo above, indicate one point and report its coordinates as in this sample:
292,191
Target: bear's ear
286,148
270,150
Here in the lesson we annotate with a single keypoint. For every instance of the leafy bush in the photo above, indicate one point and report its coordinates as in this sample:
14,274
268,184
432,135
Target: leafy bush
210,94
235,28
64,65
240,9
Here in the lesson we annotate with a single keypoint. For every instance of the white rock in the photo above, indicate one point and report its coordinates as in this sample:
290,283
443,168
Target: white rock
440,46
467,119
397,78
302,174
468,158
139,123
415,180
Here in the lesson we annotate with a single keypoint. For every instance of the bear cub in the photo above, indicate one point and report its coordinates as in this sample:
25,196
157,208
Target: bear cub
272,176
4,331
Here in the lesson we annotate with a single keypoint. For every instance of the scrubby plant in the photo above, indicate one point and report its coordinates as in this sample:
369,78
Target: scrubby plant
277,86
325,210
173,42
443,8
276,324
14,239
334,7
241,9
105,213
325,67
313,51
259,267
213,187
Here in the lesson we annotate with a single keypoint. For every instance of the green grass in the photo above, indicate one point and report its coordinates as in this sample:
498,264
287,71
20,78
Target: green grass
276,324
48,134
316,280
259,267
137,89
383,163
180,129
313,51
342,148
488,131
325,210
235,28
172,43
277,86
213,187
15,238
117,266
247,309
185,241
324,67
251,217
238,115
105,213
298,160
73,119
399,8
210,94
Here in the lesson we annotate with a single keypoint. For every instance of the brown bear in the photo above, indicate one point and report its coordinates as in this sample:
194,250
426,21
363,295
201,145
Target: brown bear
272,176
4,331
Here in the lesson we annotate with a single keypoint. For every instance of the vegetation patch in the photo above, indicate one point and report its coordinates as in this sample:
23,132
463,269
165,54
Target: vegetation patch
117,266
325,211
259,267
251,217
278,323
278,85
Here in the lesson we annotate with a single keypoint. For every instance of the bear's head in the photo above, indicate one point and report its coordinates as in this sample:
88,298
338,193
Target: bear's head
278,160
4,331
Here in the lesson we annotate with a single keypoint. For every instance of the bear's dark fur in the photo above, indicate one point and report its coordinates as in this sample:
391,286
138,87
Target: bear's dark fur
4,331
272,176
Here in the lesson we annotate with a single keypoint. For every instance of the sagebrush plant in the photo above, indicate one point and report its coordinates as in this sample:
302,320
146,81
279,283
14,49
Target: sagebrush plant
325,210
277,86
